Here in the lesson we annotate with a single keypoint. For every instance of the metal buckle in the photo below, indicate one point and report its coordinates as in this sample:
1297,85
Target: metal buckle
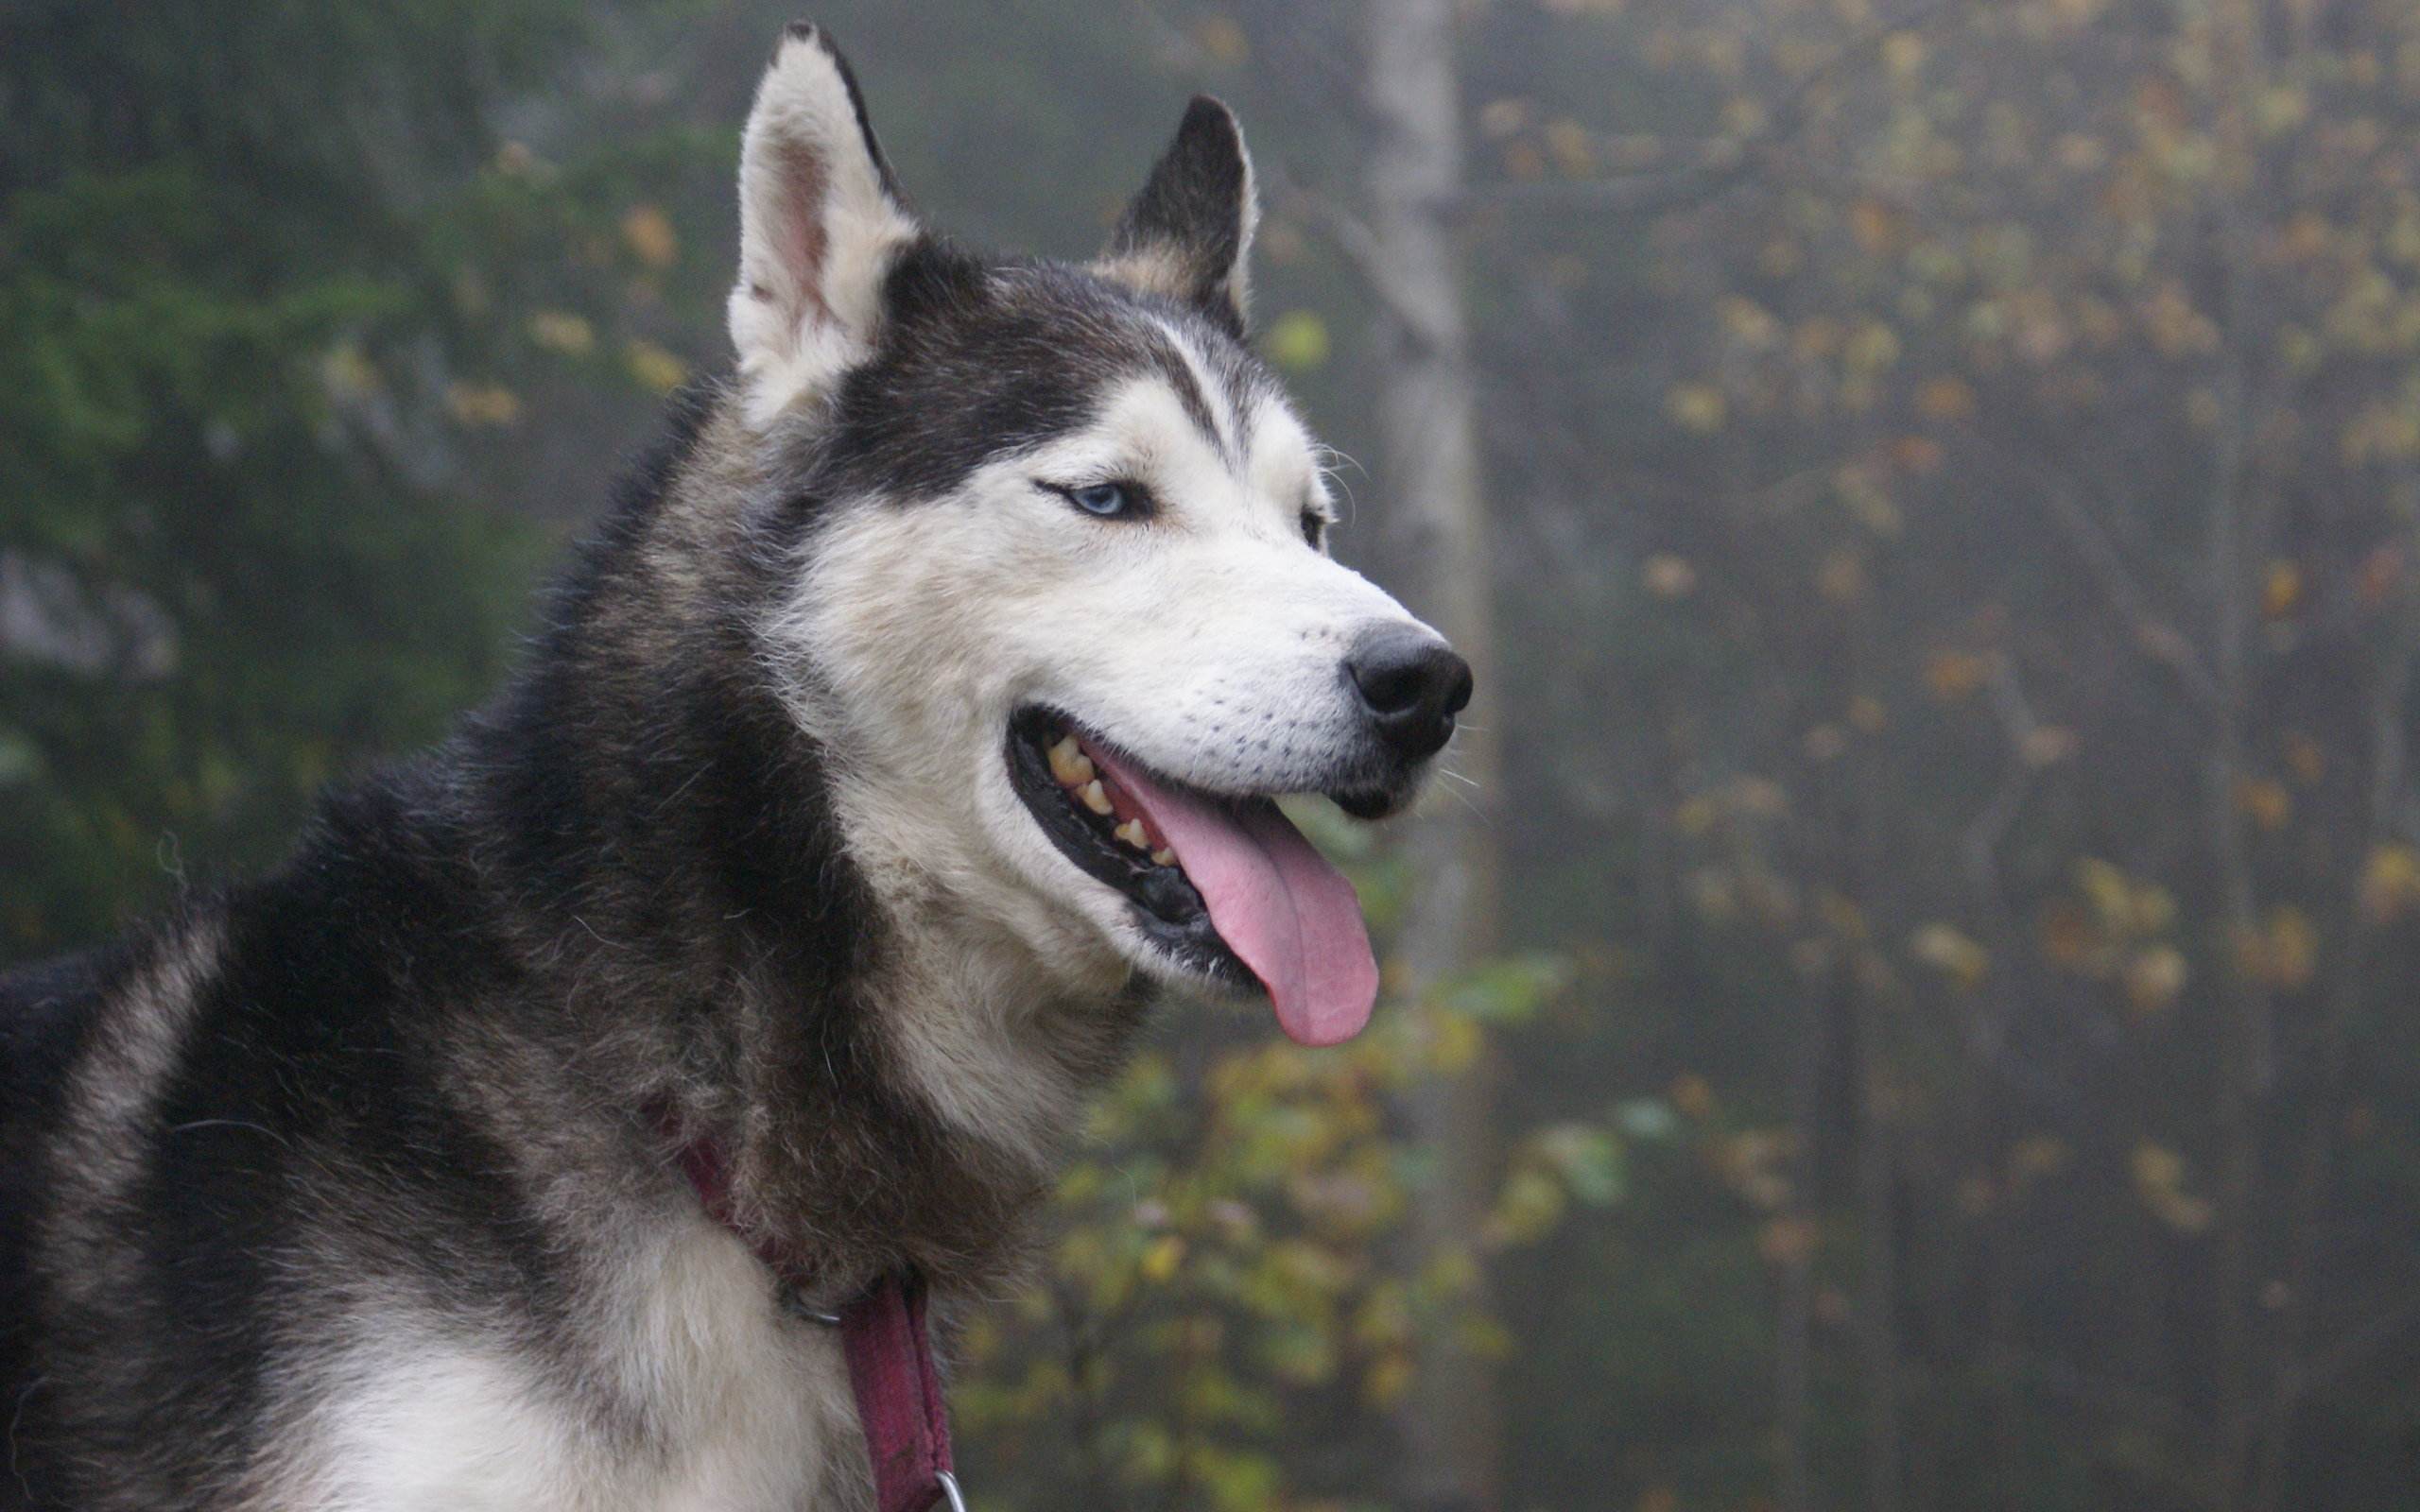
797,1307
949,1489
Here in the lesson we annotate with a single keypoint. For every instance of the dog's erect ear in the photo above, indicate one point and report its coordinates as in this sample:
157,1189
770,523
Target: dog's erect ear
1190,230
818,221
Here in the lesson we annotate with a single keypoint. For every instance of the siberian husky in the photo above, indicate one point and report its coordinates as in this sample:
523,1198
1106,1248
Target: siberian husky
912,719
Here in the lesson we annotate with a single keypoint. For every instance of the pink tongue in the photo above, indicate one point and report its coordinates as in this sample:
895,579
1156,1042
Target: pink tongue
1278,904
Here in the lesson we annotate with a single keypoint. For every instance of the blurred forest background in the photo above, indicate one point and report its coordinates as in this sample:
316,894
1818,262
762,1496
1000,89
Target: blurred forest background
1917,1001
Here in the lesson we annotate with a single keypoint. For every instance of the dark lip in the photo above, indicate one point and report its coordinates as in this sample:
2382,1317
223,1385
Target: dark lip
1161,900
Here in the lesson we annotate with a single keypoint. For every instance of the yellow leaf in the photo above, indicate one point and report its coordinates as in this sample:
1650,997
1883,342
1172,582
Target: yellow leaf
2178,1211
654,367
1861,491
2156,1168
1297,340
1951,952
2283,952
1697,408
1750,324
2390,882
2306,758
1503,117
1569,144
1874,347
1161,1259
562,331
1222,38
1876,226
2294,948
2036,1156
1953,674
2154,977
2048,745
1455,1042
1387,1378
1841,578
2106,887
349,373
2266,802
1669,577
1692,1096
1903,53
2281,589
1919,455
1527,1208
648,233
482,404
2124,905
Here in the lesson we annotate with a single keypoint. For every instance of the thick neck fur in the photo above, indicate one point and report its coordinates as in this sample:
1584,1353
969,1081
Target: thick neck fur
701,936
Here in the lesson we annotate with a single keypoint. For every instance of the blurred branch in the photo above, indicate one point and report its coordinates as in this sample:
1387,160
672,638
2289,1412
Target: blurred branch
2238,539
2152,634
1353,240
2389,711
1728,162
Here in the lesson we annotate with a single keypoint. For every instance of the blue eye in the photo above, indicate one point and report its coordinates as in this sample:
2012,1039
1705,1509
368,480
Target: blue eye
1104,499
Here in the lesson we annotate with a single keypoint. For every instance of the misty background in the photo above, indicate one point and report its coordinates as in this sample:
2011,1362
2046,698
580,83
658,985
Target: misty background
1910,996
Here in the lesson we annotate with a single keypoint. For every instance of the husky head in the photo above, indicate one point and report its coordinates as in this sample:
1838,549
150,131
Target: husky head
1063,610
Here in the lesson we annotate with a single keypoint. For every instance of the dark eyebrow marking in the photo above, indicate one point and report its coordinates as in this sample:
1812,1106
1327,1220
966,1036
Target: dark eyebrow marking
1179,374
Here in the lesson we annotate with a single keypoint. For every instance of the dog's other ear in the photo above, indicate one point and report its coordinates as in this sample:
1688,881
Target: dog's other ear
818,220
1190,230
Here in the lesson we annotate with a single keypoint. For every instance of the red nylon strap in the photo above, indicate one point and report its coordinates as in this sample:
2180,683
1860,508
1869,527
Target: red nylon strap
890,1356
899,1394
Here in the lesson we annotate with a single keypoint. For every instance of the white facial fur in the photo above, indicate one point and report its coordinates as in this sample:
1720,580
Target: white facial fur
1208,641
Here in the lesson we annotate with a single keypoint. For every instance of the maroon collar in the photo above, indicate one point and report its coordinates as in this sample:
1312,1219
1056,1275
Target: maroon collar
882,1334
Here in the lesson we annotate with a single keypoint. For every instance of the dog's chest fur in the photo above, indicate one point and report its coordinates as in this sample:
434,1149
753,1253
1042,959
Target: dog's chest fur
701,1397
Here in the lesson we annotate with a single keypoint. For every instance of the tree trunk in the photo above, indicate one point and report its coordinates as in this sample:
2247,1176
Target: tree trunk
1430,472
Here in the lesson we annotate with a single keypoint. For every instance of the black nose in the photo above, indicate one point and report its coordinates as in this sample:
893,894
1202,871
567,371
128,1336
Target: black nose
1413,685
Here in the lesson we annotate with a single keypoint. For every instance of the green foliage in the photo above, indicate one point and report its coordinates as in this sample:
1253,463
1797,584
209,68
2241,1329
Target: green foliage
235,566
261,341
1230,1297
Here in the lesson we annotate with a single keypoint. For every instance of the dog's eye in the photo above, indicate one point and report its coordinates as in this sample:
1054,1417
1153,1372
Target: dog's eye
1314,526
1112,500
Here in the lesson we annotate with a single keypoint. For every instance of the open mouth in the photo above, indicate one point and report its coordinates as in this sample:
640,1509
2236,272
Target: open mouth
1225,887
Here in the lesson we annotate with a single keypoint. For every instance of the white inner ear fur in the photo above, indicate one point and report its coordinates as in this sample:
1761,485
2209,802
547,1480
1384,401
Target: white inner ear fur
816,234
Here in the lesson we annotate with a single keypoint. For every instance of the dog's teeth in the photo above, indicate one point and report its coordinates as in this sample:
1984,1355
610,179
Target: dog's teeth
1094,798
1069,764
1163,857
1131,832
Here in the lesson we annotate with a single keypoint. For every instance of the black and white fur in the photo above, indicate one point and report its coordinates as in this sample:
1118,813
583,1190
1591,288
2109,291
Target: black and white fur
349,1189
